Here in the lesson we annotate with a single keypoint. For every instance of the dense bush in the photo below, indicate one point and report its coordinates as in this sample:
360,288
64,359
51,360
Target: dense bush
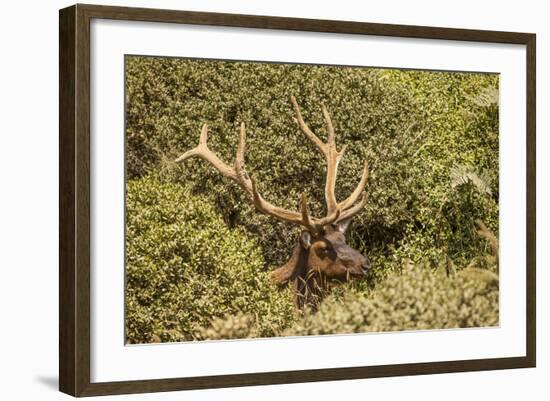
184,267
417,299
230,327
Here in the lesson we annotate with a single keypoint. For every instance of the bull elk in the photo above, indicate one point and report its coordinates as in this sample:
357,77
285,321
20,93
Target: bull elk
321,254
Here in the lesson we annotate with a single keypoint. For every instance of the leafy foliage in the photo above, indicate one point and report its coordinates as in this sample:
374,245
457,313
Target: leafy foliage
185,267
230,327
417,299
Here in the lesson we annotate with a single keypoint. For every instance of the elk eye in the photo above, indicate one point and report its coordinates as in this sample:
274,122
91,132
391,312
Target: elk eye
322,252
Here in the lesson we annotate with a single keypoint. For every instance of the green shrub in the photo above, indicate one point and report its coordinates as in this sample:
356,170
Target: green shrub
417,299
185,267
230,327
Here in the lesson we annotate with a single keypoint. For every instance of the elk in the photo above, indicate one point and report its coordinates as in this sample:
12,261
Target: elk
321,255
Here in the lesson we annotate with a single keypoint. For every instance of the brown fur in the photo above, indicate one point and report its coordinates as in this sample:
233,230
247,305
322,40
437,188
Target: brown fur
316,263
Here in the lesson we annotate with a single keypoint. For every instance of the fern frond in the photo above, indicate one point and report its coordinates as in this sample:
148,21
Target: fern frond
463,175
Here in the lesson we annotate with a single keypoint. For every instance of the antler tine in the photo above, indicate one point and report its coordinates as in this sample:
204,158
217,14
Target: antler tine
203,152
239,160
204,135
304,127
352,211
347,203
265,207
315,226
198,149
331,218
306,221
328,149
330,128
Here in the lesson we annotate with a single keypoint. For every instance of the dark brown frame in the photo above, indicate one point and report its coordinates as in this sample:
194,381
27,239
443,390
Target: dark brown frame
74,199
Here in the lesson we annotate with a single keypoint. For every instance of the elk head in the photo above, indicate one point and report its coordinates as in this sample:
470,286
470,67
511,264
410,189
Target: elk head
321,255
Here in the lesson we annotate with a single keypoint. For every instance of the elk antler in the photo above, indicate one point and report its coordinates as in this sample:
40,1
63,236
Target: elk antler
238,174
347,207
335,211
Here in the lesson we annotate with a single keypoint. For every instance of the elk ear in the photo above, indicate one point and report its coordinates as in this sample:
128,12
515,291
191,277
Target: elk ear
305,239
343,225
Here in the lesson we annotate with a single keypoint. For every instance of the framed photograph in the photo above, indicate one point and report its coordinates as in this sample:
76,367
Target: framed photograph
250,200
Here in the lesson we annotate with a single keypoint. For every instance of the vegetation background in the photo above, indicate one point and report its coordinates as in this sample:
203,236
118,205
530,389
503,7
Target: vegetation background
198,255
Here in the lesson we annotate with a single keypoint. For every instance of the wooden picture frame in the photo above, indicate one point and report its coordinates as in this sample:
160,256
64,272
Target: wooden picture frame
74,200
